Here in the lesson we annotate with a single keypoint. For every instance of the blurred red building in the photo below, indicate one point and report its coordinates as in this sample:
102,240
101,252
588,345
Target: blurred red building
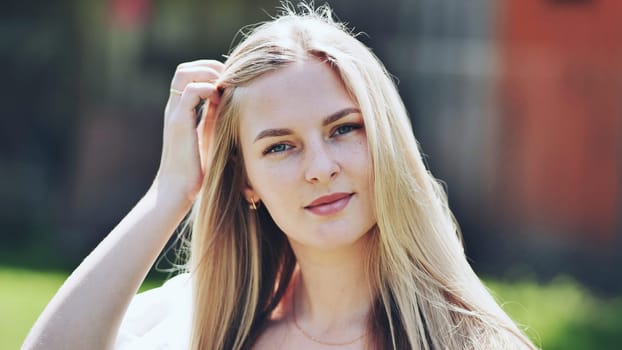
561,114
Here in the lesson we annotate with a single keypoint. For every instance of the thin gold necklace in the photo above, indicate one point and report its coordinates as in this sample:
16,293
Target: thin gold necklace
319,341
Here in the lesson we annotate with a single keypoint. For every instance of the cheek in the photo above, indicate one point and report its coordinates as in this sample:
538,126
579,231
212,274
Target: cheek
355,157
279,191
358,168
274,182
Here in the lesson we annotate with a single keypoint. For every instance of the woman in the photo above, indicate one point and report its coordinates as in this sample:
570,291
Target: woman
315,222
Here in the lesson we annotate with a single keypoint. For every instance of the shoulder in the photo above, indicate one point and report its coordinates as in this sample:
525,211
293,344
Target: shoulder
160,318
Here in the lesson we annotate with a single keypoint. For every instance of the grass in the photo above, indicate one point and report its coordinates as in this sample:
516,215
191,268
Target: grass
23,295
561,314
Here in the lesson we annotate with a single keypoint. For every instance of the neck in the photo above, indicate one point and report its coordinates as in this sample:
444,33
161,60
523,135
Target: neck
331,295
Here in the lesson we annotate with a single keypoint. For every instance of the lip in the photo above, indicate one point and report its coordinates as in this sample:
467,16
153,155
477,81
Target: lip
329,204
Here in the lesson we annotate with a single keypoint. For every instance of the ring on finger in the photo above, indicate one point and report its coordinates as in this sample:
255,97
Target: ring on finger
176,92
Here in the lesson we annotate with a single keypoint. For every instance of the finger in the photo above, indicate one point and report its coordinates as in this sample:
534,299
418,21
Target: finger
216,65
205,133
187,75
194,93
191,101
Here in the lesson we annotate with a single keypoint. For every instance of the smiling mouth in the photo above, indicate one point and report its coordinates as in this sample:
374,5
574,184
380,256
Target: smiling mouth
329,205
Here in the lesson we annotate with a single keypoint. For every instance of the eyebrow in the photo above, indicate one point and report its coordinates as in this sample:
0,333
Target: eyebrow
328,120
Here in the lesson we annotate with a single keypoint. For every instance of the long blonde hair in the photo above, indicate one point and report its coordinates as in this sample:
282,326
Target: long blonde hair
427,295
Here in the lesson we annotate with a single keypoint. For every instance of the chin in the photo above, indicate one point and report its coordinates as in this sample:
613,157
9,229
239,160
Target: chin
334,239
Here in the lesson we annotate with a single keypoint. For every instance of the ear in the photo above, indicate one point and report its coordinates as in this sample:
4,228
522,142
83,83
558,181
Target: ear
247,189
249,193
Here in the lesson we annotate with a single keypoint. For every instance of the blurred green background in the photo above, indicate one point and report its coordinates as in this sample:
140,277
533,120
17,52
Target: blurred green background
560,314
516,104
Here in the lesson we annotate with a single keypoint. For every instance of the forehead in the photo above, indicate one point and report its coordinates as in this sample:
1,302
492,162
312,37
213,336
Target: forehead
298,92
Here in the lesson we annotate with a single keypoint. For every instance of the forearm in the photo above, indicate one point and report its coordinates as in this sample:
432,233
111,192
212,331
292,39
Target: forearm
87,310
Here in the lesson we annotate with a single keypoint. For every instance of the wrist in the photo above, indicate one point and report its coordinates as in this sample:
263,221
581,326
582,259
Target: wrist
173,193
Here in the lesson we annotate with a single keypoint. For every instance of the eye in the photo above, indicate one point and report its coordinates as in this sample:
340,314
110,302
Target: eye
280,147
346,128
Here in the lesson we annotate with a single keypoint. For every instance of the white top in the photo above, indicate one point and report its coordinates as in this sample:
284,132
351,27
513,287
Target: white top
160,318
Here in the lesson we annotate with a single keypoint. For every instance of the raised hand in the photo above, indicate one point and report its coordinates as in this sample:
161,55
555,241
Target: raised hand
185,144
87,310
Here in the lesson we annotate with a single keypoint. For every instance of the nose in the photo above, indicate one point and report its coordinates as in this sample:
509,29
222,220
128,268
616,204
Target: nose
321,165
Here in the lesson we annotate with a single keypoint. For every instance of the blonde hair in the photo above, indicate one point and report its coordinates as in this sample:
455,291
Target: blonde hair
427,295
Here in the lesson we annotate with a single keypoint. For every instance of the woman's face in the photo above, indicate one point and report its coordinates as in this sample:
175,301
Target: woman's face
305,153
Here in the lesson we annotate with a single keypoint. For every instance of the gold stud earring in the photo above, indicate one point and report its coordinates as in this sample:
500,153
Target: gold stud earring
253,206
